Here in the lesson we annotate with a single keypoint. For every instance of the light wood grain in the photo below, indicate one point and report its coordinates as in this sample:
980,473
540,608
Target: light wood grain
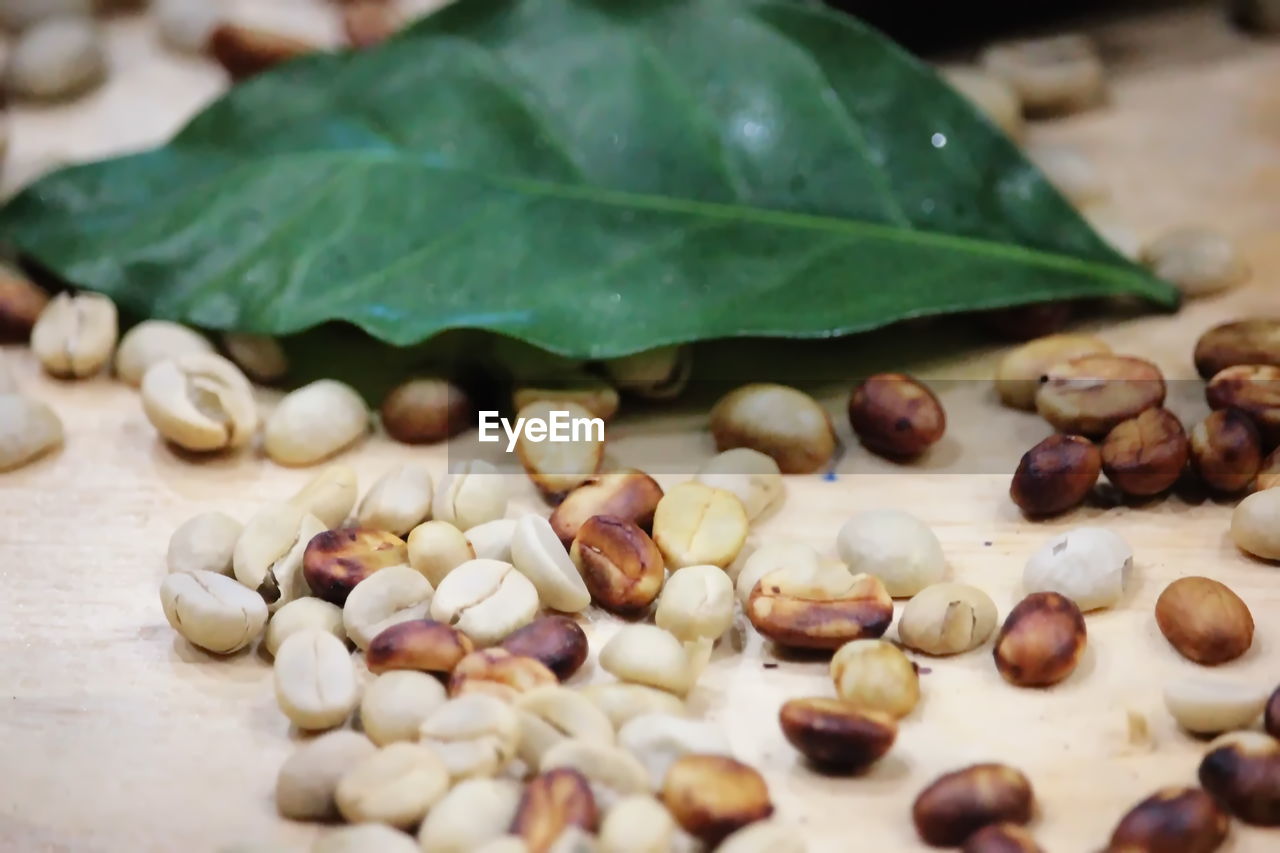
116,735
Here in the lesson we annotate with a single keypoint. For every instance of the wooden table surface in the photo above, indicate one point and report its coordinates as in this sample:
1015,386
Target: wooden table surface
117,735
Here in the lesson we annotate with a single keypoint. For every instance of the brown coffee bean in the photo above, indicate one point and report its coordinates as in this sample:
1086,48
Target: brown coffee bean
1243,774
835,734
1001,838
427,410
962,802
1041,641
630,495
1226,451
1254,341
1024,322
896,416
1145,455
1056,475
20,305
1172,820
1269,472
420,644
1271,715
336,560
621,565
498,673
551,803
819,611
1253,389
711,796
1089,395
1204,620
557,641
246,51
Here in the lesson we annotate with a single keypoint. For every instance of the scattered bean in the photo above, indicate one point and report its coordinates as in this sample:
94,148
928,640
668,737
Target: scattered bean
622,702
657,739
151,342
1226,451
1019,373
474,811
1002,838
551,803
1053,75
612,772
398,501
549,714
696,524
895,547
557,641
991,95
697,602
1198,261
418,644
819,611
426,411
622,567
28,430
646,654
396,704
1253,389
314,679
492,540
475,735
486,600
212,611
204,542
335,561
750,475
557,467
778,421
315,422
637,824
246,51
796,557
200,402
1204,620
470,496
1269,473
387,597
656,374
329,496
436,548
259,356
186,25
875,675
499,673
947,619
56,59
75,335
1070,171
1178,820
837,735
628,494
1089,395
396,785
1242,772
537,554
1145,455
268,555
303,614
21,301
1041,641
1254,341
597,398
1213,705
1089,565
1056,475
713,796
960,803
896,416
308,780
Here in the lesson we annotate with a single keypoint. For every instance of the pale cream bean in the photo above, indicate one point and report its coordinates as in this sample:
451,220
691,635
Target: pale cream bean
398,501
1197,261
783,422
1019,372
622,702
55,59
315,422
597,397
1057,74
657,740
259,356
302,614
1089,565
1070,171
28,430
308,779
315,679
204,543
475,734
187,25
796,557
753,477
558,466
492,540
151,342
764,836
486,600
1255,524
212,611
895,547
551,714
645,654
396,703
1211,705
437,548
473,813
875,675
387,597
268,554
471,495
396,785
947,619
697,602
75,335
612,771
329,496
537,553
365,838
656,374
200,402
992,95
637,823
696,524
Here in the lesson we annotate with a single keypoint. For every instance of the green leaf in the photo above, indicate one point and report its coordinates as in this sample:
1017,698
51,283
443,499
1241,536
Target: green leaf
591,176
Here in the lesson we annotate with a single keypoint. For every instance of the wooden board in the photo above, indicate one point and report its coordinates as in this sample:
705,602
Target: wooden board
116,735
